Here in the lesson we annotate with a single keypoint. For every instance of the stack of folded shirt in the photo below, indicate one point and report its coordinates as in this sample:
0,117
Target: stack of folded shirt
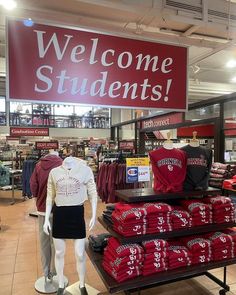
232,233
155,256
222,209
158,217
201,213
129,219
178,255
222,245
199,247
122,262
180,218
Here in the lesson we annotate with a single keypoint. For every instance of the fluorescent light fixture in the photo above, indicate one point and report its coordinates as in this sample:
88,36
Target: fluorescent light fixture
8,4
231,63
233,79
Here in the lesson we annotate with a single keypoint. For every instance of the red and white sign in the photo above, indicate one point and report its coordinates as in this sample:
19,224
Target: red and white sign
126,145
46,145
54,64
24,131
162,121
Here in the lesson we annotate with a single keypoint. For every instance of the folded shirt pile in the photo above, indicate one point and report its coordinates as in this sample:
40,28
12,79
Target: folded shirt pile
178,255
222,245
201,213
232,233
122,262
155,256
129,219
199,247
180,218
158,217
222,209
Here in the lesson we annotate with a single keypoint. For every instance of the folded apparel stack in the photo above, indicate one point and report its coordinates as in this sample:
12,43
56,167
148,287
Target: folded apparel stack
122,262
222,209
232,233
178,255
158,217
201,213
180,218
155,256
222,245
129,219
199,247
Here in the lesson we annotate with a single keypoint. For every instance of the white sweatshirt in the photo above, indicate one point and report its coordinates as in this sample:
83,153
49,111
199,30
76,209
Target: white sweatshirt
71,187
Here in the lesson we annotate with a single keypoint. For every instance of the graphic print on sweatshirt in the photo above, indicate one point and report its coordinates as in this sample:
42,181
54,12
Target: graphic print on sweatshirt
169,169
67,186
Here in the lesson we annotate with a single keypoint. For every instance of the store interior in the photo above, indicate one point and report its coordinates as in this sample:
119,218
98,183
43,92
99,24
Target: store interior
143,198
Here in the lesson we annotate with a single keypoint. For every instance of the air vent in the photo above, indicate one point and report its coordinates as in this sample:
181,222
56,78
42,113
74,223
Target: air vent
194,8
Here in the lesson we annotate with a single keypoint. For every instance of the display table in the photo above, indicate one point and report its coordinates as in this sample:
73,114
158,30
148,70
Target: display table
143,282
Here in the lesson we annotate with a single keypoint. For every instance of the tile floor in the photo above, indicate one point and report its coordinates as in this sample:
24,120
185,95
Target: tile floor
20,264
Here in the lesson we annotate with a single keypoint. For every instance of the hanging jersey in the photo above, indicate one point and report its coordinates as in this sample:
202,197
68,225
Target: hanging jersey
199,161
169,169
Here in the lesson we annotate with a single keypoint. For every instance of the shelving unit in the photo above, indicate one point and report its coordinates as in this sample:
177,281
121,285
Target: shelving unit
144,282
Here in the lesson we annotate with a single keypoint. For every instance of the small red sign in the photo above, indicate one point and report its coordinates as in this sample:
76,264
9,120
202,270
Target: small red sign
162,121
46,145
24,131
126,145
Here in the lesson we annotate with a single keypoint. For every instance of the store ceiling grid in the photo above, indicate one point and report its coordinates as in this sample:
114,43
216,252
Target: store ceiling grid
206,27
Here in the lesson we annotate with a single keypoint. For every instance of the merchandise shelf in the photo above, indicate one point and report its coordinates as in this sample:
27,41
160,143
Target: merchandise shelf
160,278
144,282
149,195
165,235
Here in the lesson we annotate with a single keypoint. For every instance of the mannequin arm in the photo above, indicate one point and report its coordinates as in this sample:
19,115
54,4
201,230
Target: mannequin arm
47,225
92,195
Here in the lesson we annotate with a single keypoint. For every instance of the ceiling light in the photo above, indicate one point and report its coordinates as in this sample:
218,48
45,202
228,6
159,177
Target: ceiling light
231,63
8,4
233,80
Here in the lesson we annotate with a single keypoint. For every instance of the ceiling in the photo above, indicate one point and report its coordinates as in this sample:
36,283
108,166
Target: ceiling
207,27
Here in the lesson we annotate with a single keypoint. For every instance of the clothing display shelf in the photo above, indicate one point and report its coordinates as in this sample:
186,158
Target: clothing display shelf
169,276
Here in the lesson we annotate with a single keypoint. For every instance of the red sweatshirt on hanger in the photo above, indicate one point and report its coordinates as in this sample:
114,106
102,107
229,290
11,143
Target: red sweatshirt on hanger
169,169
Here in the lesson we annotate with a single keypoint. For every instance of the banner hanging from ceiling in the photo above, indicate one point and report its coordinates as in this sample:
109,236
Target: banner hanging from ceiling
56,64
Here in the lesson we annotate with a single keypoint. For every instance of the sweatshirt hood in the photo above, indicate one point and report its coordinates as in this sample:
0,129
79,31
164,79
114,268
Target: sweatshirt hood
50,162
76,163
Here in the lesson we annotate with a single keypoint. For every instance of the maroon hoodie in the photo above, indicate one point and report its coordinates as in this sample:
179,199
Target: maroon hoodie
39,179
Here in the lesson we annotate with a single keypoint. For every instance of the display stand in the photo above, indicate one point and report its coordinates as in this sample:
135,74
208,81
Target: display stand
74,289
141,282
48,286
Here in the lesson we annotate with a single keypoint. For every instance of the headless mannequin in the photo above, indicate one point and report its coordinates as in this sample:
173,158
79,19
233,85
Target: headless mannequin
194,142
168,144
79,244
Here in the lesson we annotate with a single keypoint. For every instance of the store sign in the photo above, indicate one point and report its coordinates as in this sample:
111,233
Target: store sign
69,65
24,131
137,170
162,121
126,145
46,145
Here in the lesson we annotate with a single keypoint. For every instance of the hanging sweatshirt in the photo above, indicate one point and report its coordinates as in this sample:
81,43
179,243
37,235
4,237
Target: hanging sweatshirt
169,169
199,160
39,179
71,187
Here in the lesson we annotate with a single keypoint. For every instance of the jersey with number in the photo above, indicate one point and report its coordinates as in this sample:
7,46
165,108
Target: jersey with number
169,169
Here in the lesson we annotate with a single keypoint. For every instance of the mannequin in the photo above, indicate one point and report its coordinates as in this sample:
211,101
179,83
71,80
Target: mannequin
194,142
168,144
68,187
38,186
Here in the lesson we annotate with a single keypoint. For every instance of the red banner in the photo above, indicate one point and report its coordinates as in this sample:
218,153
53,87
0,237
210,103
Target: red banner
46,145
126,145
202,131
24,131
66,65
162,121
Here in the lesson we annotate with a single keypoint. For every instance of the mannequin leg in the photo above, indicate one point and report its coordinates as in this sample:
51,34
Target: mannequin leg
60,248
79,245
45,247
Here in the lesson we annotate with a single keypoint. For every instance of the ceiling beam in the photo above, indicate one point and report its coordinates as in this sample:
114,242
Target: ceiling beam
190,30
